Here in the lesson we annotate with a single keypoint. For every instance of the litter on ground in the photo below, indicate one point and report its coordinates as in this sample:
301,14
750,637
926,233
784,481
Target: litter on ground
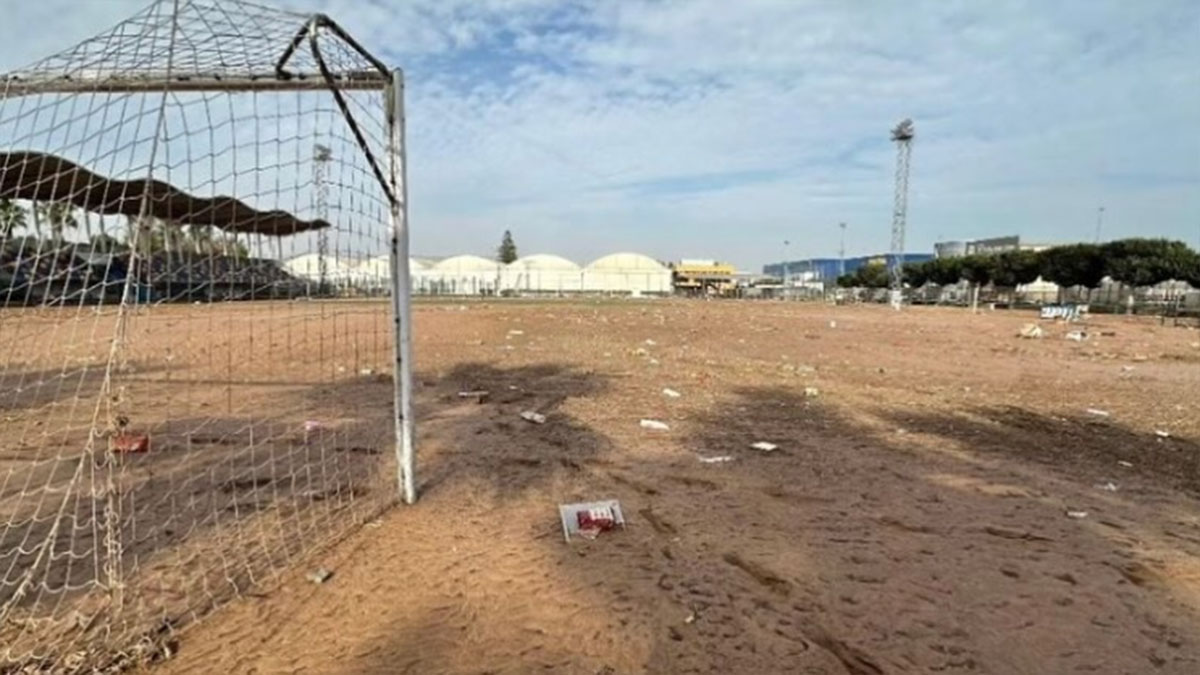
1031,331
1077,336
765,446
1108,487
536,418
1077,515
1162,434
320,575
714,460
1127,465
811,392
589,519
130,443
655,425
671,393
1096,412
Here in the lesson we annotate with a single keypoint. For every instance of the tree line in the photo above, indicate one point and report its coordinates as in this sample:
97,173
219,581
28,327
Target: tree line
1136,262
152,235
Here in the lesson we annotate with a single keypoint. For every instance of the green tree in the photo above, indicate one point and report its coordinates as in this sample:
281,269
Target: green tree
946,271
1146,262
59,216
201,237
508,250
12,217
919,274
1010,269
1074,265
871,275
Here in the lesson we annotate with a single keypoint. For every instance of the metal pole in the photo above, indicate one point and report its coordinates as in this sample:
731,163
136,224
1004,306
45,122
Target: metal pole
842,252
401,299
1099,222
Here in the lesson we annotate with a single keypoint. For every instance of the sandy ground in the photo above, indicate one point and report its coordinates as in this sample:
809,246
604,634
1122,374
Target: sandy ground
914,518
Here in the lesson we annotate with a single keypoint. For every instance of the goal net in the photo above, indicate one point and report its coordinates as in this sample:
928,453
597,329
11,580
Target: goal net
200,214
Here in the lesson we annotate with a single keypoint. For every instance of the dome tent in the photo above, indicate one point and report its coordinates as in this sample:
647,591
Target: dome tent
543,273
632,273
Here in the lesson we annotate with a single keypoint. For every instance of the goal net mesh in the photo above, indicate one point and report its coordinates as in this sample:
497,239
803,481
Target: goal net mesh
195,352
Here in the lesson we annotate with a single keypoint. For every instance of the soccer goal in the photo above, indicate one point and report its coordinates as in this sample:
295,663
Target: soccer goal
204,321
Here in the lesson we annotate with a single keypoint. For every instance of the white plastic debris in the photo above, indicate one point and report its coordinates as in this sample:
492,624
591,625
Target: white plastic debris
1096,412
516,332
765,446
671,393
655,425
651,342
536,418
714,460
1077,336
1031,331
811,392
1108,487
833,324
653,362
473,393
1077,515
366,372
320,575
311,426
1127,465
1162,434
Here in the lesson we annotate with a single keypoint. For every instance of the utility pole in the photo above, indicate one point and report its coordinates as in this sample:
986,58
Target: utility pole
321,157
786,252
842,252
1099,222
902,136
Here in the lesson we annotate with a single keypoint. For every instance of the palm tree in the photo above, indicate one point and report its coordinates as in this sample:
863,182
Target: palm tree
60,216
202,238
12,216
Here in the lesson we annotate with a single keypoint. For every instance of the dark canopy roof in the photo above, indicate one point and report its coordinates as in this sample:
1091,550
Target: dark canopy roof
46,178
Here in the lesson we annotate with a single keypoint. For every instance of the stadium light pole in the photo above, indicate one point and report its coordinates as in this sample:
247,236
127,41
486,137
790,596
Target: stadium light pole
786,253
842,252
1099,222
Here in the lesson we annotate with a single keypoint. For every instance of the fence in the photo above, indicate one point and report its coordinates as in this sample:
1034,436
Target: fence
181,418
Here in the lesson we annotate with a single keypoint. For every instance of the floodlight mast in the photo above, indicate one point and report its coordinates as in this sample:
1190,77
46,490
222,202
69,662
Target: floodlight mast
902,136
321,158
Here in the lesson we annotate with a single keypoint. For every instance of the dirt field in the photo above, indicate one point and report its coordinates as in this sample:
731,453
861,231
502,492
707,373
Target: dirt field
913,519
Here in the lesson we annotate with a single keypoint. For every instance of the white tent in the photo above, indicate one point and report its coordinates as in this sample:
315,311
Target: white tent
464,275
632,273
375,274
543,273
308,268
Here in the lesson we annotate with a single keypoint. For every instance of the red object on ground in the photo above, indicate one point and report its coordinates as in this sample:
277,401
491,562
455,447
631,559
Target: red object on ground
126,443
596,520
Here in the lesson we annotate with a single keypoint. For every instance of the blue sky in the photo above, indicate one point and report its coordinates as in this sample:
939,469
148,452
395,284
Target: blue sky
708,128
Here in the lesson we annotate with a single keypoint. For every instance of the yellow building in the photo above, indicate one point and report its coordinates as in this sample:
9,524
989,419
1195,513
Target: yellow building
703,277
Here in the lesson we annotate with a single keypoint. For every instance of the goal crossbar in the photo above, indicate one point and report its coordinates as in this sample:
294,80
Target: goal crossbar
358,81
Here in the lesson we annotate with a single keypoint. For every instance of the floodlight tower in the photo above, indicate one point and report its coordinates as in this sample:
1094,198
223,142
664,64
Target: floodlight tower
842,252
902,135
321,157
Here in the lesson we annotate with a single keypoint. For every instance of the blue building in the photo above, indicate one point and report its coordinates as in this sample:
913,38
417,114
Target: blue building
828,269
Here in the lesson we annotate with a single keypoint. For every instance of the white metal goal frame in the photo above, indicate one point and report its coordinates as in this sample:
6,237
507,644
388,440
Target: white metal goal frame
174,63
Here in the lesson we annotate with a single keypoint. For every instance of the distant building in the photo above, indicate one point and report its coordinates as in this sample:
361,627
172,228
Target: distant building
956,249
827,270
703,276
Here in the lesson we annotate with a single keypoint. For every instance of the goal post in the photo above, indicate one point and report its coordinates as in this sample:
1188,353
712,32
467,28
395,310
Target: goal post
401,290
205,321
